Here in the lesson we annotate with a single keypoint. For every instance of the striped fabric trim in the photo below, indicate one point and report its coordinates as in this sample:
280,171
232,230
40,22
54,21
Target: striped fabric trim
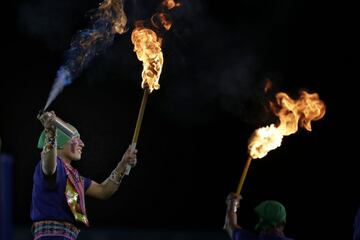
54,228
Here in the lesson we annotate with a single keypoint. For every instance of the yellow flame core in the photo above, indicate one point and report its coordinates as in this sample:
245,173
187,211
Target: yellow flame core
264,140
291,112
148,50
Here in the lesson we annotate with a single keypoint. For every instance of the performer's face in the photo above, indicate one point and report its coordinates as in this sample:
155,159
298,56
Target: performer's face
73,149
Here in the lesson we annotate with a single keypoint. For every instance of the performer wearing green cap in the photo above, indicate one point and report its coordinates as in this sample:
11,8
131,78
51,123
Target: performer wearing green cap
272,219
58,196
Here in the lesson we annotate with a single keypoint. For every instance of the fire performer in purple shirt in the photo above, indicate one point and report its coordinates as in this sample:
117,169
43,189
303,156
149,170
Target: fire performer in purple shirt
58,196
272,219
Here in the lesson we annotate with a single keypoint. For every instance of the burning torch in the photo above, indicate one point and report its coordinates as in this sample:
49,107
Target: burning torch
291,113
147,45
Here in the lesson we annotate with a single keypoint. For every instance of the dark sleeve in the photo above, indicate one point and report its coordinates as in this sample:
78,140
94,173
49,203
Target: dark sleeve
87,183
242,234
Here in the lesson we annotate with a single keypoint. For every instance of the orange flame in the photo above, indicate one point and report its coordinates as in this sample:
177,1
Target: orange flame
165,22
170,4
148,50
147,46
291,113
161,20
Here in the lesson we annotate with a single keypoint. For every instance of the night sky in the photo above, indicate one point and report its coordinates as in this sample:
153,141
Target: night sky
193,140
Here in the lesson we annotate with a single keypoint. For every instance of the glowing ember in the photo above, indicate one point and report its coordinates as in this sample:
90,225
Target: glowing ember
170,4
164,20
148,50
291,112
268,85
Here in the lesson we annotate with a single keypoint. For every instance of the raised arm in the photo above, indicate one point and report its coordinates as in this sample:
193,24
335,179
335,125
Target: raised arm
233,203
108,187
49,153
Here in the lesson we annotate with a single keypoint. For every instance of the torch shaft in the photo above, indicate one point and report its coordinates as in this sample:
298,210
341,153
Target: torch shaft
140,116
243,175
138,124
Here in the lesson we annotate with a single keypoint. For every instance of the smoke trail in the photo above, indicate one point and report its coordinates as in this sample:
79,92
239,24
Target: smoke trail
107,20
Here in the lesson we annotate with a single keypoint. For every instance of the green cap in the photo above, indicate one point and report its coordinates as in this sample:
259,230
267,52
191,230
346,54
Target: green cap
270,214
61,138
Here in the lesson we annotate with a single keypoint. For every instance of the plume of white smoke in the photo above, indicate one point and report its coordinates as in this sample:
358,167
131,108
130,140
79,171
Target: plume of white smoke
107,20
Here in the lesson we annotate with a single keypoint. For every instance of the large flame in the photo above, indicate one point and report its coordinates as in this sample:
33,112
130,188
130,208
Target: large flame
147,45
291,113
148,50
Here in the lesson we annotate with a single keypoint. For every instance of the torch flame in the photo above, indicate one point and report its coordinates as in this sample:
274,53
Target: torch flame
148,50
147,45
291,112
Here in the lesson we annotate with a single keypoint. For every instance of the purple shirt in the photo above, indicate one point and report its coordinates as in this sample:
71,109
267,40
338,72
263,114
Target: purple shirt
242,234
48,199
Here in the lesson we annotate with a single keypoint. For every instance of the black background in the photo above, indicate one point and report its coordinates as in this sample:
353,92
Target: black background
193,140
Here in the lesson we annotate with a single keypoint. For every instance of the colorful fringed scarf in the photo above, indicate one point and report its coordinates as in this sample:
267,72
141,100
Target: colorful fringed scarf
75,194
